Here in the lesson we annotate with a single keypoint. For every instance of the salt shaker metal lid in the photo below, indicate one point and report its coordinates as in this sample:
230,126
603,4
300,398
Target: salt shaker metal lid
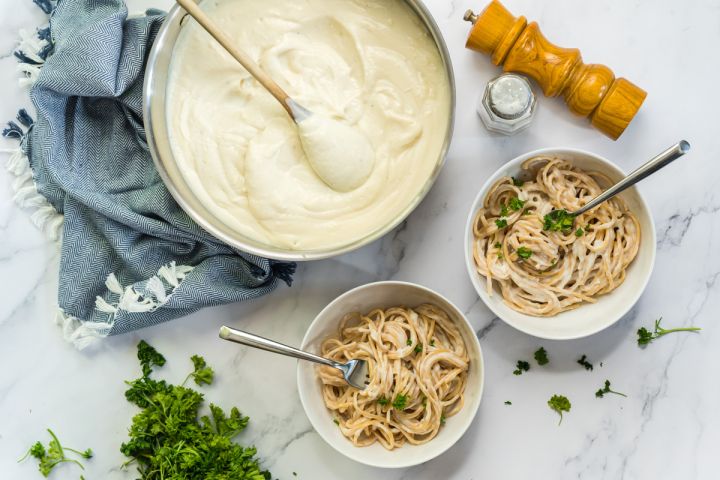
508,104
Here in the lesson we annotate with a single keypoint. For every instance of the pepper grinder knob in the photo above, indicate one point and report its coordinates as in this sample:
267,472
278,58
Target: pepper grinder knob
589,90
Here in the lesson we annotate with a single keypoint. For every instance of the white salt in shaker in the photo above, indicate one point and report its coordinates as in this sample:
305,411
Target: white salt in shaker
507,105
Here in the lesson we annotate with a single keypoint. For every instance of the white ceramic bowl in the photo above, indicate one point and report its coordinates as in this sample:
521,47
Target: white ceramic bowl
588,318
364,299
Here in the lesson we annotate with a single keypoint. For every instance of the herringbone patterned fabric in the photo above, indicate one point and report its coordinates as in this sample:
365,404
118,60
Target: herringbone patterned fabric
89,159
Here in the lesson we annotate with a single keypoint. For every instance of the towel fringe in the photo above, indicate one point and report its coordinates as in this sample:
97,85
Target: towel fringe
81,333
31,52
44,215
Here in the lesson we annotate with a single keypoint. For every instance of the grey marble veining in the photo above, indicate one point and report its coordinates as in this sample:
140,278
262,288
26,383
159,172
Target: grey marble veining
667,428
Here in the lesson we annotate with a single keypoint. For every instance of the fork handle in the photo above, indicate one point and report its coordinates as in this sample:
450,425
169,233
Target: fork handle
256,341
645,170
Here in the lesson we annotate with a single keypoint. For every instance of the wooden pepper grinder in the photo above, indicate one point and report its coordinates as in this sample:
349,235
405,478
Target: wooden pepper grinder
589,90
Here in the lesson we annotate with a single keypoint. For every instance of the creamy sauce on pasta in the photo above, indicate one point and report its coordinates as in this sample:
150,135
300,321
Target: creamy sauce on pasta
371,65
542,271
418,366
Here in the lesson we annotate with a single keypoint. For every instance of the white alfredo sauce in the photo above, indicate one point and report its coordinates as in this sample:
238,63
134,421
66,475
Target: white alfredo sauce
369,64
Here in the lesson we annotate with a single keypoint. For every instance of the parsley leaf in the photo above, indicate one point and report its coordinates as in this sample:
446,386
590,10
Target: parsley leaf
54,454
501,223
408,342
583,361
503,210
400,402
560,404
558,221
383,401
508,402
522,366
442,419
645,336
418,348
541,356
202,373
148,357
517,182
524,252
601,392
579,232
516,204
497,245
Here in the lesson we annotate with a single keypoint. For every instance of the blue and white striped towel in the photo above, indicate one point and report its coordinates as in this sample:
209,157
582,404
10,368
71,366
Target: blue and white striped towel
130,256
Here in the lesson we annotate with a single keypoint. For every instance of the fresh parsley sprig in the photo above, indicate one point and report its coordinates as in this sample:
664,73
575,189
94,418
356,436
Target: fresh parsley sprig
645,336
54,455
606,389
169,439
202,373
560,404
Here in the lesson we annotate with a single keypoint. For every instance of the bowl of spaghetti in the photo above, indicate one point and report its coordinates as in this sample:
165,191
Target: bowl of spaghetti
425,376
545,273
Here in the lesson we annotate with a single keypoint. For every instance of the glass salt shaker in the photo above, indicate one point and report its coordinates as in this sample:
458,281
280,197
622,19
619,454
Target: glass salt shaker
507,105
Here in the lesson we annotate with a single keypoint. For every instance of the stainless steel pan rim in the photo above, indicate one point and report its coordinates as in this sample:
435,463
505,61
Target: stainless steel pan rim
158,143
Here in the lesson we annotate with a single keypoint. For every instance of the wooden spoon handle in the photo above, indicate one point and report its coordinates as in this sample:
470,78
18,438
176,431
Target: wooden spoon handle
194,11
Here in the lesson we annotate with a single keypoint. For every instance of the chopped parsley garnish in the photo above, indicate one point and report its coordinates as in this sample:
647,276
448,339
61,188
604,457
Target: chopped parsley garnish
336,421
558,221
526,211
408,342
383,401
54,454
560,404
501,223
522,366
500,256
508,402
541,356
497,245
418,348
524,253
400,402
503,210
442,419
583,361
432,342
645,336
601,392
516,204
579,232
517,182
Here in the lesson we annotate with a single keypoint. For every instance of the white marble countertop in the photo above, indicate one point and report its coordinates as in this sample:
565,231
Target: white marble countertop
668,427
